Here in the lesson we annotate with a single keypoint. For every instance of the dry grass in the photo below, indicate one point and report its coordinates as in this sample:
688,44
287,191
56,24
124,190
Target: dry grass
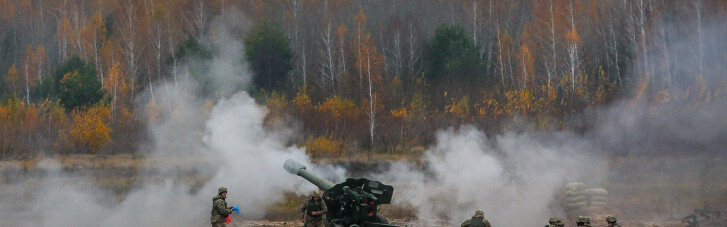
287,209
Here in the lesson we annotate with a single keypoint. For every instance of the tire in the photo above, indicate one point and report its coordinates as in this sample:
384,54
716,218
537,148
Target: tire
381,219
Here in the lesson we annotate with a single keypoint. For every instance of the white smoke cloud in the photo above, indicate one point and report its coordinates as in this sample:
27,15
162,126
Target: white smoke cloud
511,177
228,143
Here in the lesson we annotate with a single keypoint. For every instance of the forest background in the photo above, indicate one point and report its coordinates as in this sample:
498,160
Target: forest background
357,77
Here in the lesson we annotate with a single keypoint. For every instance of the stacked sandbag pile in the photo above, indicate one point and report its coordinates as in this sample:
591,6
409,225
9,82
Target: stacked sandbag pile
597,197
575,196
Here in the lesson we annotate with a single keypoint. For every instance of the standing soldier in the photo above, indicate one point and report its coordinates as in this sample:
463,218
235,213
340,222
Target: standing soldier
220,210
611,220
478,220
555,222
315,210
583,221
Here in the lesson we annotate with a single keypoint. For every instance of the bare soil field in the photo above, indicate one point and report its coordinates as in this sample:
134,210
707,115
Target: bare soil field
646,205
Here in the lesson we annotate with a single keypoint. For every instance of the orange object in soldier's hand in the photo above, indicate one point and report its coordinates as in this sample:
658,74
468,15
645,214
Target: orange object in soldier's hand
228,219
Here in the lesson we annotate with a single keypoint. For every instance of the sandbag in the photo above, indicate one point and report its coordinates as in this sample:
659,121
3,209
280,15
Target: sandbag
599,199
577,205
570,193
597,203
575,199
575,186
597,192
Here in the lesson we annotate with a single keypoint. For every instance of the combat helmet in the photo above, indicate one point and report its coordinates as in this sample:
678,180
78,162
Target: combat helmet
611,219
553,221
221,190
315,193
583,221
479,213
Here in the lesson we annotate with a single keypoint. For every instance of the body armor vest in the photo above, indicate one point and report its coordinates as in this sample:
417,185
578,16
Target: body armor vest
477,222
314,206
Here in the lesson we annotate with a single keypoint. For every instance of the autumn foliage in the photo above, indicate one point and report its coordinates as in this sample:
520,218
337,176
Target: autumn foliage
77,76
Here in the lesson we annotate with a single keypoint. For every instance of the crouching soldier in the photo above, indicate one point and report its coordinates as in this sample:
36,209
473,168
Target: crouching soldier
314,210
478,220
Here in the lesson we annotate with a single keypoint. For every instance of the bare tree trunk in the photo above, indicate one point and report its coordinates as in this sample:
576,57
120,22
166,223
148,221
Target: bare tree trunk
328,67
413,54
700,43
499,56
552,45
372,110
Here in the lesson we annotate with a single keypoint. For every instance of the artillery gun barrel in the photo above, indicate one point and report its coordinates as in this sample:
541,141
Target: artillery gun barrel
296,168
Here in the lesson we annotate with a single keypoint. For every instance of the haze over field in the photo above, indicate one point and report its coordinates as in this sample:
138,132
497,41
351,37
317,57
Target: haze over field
668,141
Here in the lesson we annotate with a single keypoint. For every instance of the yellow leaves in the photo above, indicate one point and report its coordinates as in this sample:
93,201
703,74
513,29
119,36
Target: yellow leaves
278,106
302,103
338,109
89,129
460,108
277,102
401,113
522,102
324,145
489,108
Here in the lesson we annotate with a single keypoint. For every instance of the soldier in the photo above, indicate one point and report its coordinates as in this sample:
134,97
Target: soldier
220,210
555,222
611,220
478,220
583,221
315,210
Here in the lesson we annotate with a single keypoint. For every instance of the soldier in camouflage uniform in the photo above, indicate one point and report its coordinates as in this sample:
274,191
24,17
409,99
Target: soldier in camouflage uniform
478,220
583,221
314,210
612,222
220,210
555,222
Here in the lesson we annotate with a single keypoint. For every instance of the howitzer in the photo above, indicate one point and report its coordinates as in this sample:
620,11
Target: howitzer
352,203
705,212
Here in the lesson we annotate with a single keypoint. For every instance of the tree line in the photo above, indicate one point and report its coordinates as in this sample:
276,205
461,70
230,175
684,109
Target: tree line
360,75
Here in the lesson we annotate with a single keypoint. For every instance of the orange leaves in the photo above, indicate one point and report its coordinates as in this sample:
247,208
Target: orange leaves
572,36
459,108
527,66
21,125
324,145
401,113
89,129
336,108
302,104
117,86
12,79
522,102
